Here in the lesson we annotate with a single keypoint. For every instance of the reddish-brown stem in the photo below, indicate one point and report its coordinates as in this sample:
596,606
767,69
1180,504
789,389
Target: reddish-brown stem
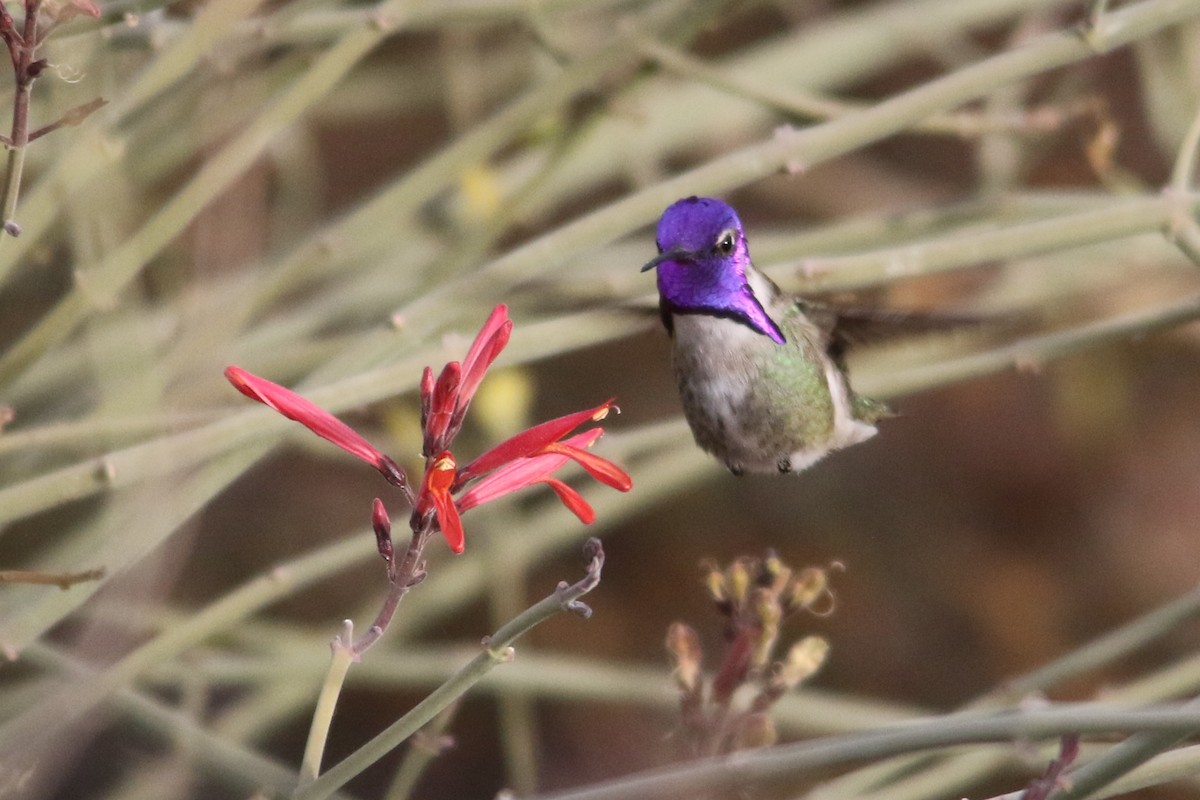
63,580
21,47
407,574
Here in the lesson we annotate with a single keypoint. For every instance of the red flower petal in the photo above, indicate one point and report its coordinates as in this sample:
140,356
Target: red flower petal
509,478
311,416
599,468
522,472
492,338
436,489
442,404
483,346
572,500
531,441
450,522
426,395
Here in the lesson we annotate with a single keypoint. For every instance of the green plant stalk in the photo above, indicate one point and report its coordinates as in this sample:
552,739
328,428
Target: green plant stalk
237,765
341,657
897,779
542,676
1183,230
14,171
1184,171
1123,217
497,649
505,586
419,755
1107,649
818,107
1187,238
1175,765
799,150
34,728
790,762
179,58
894,780
1119,760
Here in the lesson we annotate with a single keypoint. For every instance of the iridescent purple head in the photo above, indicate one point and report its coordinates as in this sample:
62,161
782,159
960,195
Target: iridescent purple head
702,260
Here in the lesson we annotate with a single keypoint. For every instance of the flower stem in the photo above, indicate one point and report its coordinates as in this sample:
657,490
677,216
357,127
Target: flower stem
21,49
497,649
318,731
410,572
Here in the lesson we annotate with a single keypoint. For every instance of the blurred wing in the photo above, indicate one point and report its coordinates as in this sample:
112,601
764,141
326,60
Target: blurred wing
848,326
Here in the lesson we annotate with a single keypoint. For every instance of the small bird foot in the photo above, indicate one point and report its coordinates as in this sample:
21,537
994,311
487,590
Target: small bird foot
785,465
736,470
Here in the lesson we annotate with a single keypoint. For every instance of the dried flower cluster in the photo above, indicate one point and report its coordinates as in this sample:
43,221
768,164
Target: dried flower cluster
754,596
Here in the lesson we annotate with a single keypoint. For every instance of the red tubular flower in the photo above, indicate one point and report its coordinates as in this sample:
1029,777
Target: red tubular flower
524,472
426,392
442,402
492,338
528,458
544,438
315,418
435,492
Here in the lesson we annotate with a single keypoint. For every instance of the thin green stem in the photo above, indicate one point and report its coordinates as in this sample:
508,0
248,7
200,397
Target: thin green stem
914,778
236,765
1187,238
789,762
341,657
424,746
813,106
1120,760
29,731
1107,649
497,650
1123,217
1180,764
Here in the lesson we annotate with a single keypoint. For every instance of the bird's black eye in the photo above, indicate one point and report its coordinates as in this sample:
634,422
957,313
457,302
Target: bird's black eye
725,243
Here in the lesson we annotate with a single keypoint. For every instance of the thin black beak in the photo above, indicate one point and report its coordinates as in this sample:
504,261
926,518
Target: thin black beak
674,254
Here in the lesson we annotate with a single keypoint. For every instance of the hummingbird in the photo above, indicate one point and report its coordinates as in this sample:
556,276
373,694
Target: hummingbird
762,374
